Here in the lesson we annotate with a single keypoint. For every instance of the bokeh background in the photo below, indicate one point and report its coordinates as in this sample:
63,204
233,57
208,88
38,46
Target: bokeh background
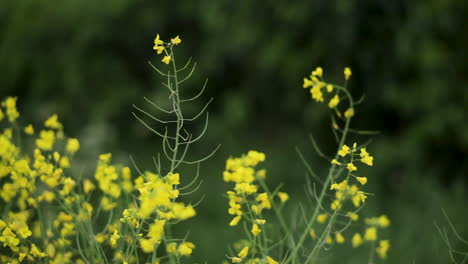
88,62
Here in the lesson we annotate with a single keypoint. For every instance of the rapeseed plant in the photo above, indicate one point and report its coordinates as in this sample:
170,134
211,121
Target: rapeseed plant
117,215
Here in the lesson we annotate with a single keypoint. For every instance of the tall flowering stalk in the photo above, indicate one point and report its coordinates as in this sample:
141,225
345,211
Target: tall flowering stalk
329,221
159,192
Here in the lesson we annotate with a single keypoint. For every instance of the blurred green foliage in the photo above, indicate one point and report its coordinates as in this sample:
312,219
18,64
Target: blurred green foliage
86,61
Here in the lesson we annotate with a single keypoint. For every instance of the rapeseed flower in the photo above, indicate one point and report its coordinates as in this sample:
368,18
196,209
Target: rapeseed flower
347,73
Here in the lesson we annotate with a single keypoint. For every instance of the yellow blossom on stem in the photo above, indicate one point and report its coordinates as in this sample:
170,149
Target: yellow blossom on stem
46,140
382,249
339,238
352,216
351,167
166,59
334,161
158,45
344,151
255,230
186,248
307,83
36,252
349,113
318,72
235,220
334,102
329,88
316,93
322,218
366,158
236,260
356,241
114,238
29,129
347,73
176,41
283,196
171,247
362,180
370,234
243,253
271,261
11,111
73,145
53,122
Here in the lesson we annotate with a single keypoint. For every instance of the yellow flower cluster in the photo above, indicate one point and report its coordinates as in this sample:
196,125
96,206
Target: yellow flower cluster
160,46
245,200
318,87
31,181
157,200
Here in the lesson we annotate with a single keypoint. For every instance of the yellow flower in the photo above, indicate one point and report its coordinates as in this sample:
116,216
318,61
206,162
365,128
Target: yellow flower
46,140
384,245
243,253
186,248
88,186
11,111
334,161
114,238
36,252
166,59
255,230
24,232
366,158
73,145
322,218
260,221
356,241
329,88
173,178
334,102
236,260
347,73
53,122
158,45
29,129
316,92
176,40
171,247
383,221
318,72
307,83
351,167
147,245
339,238
235,220
371,234
343,151
362,180
64,162
107,204
271,261
329,240
349,113
352,216
283,196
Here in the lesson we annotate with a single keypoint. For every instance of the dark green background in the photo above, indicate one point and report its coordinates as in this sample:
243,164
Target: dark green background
87,61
